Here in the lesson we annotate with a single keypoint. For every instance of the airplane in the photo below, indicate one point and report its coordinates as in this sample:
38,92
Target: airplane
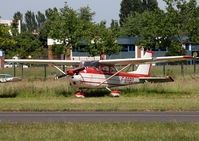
103,73
8,78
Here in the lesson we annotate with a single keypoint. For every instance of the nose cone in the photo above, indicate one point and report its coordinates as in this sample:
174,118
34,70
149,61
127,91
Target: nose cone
70,72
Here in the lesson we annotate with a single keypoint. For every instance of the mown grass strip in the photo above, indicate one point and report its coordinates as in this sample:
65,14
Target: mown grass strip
140,103
174,131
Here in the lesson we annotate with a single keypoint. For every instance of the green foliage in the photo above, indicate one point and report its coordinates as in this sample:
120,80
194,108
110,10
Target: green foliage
6,41
45,27
27,44
30,21
102,40
135,6
18,16
67,27
159,29
40,19
86,14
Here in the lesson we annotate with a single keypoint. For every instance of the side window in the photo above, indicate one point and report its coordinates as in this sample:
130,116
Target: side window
112,70
105,69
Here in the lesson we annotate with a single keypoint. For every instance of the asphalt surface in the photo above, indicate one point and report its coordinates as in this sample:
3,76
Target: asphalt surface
99,116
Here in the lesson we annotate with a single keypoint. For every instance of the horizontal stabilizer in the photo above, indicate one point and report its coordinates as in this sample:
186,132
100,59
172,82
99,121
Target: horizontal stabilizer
156,79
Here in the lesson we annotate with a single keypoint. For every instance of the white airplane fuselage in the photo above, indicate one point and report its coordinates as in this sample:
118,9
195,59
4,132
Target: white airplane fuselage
92,78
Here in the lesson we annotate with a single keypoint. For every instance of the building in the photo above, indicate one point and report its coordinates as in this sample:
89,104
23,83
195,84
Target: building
9,23
129,50
2,58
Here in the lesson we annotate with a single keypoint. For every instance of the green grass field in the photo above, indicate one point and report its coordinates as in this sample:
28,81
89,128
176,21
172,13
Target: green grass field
99,131
36,94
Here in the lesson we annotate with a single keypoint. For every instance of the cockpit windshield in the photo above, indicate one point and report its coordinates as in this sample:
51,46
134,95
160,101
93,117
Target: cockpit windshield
96,65
91,64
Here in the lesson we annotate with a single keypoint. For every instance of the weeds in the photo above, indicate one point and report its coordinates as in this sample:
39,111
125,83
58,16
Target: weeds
33,85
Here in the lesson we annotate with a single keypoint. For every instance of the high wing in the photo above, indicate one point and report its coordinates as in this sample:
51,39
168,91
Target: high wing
34,61
156,79
145,60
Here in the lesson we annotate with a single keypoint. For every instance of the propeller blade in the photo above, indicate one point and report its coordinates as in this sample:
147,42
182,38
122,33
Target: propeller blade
61,76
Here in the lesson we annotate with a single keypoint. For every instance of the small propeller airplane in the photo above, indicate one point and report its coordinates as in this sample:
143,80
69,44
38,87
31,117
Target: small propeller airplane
8,78
103,74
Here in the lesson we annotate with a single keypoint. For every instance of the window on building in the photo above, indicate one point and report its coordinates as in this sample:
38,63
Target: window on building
131,47
187,46
124,48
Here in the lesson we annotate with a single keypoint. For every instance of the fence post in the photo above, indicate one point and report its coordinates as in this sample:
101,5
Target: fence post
14,69
45,74
164,73
22,70
194,63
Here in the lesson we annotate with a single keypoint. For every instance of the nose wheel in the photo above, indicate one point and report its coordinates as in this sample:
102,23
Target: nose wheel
79,94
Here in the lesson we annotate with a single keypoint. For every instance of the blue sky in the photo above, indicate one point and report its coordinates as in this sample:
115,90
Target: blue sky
105,9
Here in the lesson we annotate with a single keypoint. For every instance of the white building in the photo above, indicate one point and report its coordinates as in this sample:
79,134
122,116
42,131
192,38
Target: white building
9,23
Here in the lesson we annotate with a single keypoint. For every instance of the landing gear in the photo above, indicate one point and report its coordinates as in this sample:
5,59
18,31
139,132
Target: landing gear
114,93
79,94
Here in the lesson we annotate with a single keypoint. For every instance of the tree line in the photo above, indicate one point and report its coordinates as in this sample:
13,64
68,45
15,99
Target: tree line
154,27
66,25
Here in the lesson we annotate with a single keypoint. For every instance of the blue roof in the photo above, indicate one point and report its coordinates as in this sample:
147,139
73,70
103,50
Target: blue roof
126,40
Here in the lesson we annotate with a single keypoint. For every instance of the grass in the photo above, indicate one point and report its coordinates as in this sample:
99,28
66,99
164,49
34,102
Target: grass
100,131
140,103
36,94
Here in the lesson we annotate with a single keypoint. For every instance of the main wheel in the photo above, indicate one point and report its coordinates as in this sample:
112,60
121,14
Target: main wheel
79,94
115,93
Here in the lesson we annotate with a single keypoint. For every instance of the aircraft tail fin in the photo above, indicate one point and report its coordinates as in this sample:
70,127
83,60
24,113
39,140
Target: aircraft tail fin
144,69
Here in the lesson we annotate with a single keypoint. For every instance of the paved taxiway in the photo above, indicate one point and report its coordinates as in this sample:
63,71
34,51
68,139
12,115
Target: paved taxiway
99,116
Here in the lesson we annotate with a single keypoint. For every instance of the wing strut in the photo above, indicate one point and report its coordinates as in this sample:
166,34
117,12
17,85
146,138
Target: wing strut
60,70
114,74
64,74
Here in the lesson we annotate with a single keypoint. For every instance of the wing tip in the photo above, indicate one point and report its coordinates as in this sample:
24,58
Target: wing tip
190,57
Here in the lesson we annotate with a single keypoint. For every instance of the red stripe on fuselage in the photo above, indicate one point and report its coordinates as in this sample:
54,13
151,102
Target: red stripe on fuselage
103,83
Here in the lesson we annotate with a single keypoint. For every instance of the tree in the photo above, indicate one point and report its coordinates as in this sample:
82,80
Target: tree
172,29
45,27
86,14
184,22
115,27
68,28
50,12
40,19
28,45
30,21
102,41
6,41
133,6
19,16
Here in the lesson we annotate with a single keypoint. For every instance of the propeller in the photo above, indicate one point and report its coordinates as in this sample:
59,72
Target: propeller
61,76
69,72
